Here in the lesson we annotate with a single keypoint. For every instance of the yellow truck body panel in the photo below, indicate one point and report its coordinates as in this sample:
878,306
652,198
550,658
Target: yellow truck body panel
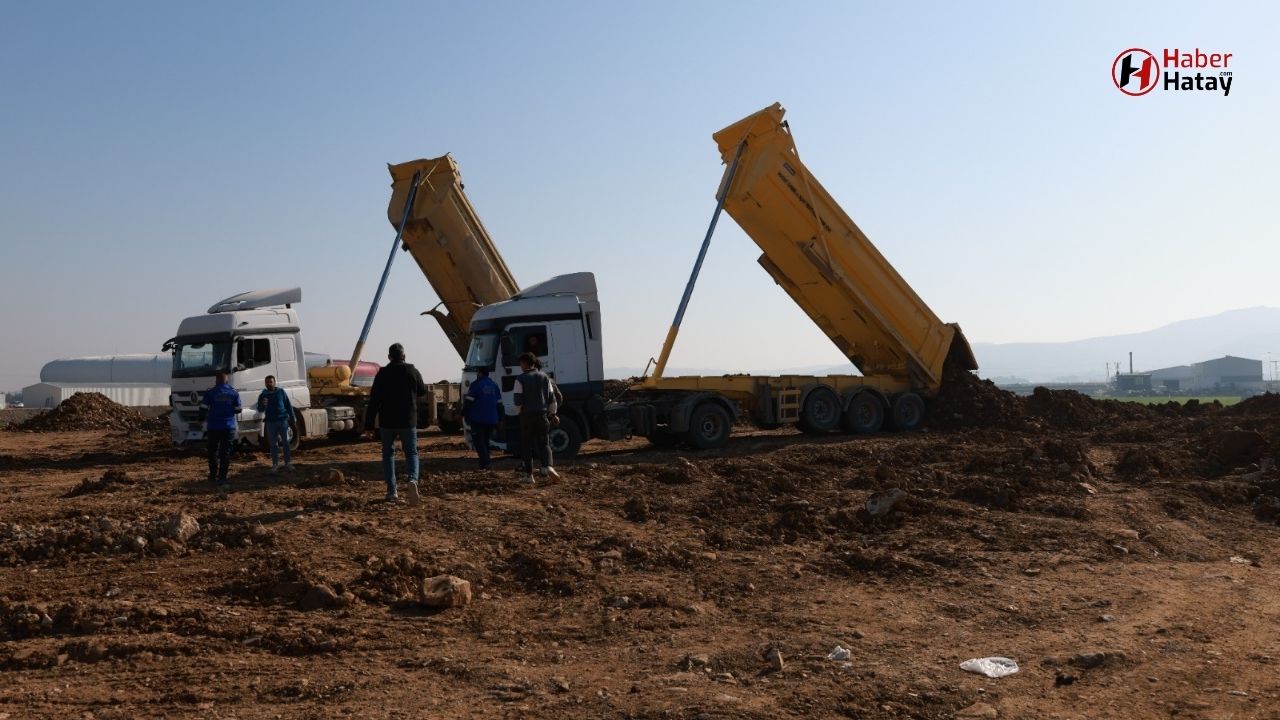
815,251
450,244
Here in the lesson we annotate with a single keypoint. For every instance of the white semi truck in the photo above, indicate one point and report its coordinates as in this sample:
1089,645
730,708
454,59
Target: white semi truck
255,334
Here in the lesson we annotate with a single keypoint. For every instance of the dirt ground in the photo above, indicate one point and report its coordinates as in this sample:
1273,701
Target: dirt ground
1129,565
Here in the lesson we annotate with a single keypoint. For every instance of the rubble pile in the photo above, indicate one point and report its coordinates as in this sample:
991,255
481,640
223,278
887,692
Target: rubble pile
86,411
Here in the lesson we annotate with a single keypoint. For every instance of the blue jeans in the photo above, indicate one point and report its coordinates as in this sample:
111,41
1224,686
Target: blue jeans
277,435
409,443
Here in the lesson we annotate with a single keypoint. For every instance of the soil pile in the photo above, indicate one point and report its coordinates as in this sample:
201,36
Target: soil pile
86,411
967,401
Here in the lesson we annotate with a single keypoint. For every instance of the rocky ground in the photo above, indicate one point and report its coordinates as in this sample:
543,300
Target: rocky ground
1127,560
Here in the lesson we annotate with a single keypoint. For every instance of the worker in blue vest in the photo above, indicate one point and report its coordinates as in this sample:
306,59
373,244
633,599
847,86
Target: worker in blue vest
484,406
221,405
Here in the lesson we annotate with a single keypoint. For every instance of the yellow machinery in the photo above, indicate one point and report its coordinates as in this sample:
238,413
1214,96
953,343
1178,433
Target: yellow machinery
832,271
444,235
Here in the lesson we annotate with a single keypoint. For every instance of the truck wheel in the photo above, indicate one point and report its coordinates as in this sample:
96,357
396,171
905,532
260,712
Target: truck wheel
907,412
295,438
821,411
864,415
709,426
565,439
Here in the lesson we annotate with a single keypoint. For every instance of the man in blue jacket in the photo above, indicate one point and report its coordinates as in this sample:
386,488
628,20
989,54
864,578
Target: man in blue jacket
484,405
221,405
274,403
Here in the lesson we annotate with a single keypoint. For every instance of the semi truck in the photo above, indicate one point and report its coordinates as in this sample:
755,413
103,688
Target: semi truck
813,250
255,334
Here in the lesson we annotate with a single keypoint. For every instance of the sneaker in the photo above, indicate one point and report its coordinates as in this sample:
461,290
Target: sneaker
550,471
289,468
527,479
274,469
393,500
224,488
414,498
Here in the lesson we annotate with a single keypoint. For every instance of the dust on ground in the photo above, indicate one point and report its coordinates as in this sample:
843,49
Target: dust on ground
1125,558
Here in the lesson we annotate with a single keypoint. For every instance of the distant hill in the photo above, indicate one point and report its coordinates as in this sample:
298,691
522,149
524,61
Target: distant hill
1249,333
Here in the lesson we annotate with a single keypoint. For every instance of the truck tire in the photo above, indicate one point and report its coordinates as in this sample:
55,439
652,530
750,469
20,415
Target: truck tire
865,414
565,439
709,426
820,412
907,412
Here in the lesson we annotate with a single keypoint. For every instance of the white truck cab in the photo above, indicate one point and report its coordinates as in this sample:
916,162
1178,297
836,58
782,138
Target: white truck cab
559,322
248,336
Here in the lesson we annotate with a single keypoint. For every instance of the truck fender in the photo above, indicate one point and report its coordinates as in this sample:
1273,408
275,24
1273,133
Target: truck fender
681,412
851,392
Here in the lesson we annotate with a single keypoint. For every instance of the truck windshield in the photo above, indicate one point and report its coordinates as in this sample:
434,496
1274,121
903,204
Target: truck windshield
483,352
201,359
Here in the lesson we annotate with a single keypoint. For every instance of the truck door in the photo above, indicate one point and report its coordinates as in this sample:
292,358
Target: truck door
569,356
516,340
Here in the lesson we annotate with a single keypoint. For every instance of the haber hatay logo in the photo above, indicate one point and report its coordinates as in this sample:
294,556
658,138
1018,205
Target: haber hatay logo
1135,71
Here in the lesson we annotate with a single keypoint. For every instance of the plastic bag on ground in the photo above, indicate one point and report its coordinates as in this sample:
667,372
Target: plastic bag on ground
992,667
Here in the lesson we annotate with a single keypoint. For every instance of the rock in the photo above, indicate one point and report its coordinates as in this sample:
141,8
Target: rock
773,656
182,528
165,546
560,684
1031,571
345,600
331,477
881,503
977,710
636,509
46,622
697,661
138,544
289,589
1107,618
319,596
1062,679
445,591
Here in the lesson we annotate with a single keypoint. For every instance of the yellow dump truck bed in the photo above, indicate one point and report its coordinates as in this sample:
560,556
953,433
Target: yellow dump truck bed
450,244
827,265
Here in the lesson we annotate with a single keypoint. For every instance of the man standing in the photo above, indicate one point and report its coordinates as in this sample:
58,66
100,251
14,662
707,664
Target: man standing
274,402
484,404
221,405
537,406
393,403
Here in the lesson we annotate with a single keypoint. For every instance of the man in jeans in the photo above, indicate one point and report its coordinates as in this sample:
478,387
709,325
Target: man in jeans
220,405
484,407
274,403
537,405
393,403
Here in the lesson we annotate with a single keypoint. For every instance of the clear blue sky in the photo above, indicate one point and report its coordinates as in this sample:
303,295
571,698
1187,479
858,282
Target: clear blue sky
159,156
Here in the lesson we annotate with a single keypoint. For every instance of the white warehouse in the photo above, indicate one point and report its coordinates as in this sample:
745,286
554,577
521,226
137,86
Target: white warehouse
134,380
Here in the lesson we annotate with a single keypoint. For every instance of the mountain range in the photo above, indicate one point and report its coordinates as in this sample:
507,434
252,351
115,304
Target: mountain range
1249,332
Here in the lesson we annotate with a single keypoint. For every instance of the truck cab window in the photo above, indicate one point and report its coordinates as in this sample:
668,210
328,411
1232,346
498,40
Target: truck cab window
252,353
532,339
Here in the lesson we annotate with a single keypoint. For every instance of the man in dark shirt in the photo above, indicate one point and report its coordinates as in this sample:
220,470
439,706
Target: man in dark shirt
393,403
537,405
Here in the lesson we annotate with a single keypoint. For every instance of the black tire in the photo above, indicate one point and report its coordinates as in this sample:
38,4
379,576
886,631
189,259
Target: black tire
709,426
565,438
295,438
907,412
865,414
820,412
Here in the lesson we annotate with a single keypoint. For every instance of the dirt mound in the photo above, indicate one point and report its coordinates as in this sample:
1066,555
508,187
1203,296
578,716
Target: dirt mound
967,401
86,411
110,481
1266,404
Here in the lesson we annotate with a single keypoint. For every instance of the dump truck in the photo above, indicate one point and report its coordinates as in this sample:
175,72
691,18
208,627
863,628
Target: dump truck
811,248
255,334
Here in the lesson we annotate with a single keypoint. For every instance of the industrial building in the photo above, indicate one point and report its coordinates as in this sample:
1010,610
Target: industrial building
1225,374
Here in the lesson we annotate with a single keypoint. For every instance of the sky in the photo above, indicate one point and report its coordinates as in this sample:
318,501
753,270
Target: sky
160,156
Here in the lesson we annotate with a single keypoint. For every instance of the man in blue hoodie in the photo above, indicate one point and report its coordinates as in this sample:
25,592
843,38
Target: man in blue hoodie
221,405
484,403
274,403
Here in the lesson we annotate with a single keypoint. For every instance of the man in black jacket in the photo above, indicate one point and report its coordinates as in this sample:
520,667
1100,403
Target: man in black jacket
393,403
